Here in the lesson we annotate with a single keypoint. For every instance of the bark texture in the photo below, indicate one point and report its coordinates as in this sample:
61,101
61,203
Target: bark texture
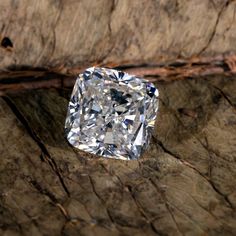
185,182
183,185
68,34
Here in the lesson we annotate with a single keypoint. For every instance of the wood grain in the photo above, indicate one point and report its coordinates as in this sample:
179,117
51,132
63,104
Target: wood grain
70,34
183,185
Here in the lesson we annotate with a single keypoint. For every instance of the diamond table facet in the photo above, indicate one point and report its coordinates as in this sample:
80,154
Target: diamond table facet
111,113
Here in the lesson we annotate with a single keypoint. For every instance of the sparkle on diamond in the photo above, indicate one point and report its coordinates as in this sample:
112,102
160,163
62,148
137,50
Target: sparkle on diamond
111,113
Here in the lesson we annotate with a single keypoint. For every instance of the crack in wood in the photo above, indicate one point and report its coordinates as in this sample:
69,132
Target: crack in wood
139,207
208,149
38,141
225,97
167,206
225,197
215,27
198,203
98,196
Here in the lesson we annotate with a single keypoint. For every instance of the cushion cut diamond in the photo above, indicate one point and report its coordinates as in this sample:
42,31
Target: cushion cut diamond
111,113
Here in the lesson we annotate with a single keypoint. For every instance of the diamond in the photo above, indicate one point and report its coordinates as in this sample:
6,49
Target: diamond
111,113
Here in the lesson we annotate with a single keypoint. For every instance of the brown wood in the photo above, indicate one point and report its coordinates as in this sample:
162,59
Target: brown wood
13,81
183,185
185,182
70,34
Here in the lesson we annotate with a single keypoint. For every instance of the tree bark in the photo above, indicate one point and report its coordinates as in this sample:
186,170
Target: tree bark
71,34
185,182
183,185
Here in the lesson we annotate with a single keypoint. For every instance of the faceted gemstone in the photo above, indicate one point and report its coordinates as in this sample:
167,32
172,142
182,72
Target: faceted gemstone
111,113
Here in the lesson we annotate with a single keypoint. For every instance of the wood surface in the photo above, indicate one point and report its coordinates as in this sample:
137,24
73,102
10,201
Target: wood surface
183,185
185,182
67,34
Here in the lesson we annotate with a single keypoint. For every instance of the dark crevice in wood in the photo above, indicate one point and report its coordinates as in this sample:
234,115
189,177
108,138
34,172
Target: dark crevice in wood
209,150
46,155
225,96
133,66
189,217
139,207
40,189
167,206
225,197
196,170
208,179
214,28
142,212
98,196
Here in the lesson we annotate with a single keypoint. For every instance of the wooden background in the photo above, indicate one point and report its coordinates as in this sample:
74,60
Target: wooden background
185,182
50,33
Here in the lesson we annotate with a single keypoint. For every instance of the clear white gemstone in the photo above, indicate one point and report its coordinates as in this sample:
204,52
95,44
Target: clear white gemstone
111,113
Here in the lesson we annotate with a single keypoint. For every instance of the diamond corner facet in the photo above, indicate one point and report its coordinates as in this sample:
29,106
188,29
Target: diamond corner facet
111,113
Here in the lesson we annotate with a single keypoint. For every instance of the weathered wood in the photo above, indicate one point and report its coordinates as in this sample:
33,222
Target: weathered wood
185,182
183,185
71,34
12,81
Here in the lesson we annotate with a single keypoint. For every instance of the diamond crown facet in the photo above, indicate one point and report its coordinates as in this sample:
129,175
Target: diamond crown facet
111,113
